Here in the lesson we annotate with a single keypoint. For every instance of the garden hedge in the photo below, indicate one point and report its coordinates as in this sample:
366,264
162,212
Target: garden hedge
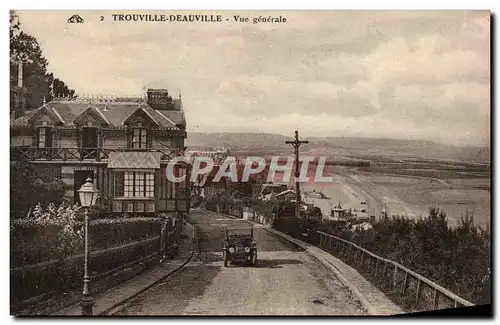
47,248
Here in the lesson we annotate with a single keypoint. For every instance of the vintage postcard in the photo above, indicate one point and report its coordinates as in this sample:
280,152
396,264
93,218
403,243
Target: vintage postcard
250,163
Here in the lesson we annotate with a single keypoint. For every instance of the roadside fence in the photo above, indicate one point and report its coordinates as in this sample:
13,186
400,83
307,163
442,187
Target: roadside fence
413,291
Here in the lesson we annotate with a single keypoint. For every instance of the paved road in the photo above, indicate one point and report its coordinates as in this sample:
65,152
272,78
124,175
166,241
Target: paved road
285,281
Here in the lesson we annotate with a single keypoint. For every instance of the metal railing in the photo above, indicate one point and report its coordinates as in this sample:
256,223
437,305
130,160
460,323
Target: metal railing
414,292
74,154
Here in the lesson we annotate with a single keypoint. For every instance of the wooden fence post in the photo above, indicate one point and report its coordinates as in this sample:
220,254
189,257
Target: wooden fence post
395,275
435,299
403,289
384,271
418,292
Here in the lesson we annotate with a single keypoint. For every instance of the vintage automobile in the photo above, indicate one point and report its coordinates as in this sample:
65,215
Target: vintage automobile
239,246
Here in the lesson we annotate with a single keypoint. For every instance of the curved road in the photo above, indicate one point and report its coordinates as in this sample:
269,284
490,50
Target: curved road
285,281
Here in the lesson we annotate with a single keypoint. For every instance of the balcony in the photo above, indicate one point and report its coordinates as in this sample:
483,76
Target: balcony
72,154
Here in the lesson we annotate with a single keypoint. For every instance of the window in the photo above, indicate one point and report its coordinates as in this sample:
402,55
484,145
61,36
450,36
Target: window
89,137
139,139
134,184
41,138
44,137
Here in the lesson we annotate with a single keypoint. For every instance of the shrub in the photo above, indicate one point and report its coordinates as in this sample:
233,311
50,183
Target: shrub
104,233
58,234
455,258
53,233
67,274
27,188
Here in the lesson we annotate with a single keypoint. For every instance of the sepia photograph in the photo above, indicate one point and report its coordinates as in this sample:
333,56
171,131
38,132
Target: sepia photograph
250,163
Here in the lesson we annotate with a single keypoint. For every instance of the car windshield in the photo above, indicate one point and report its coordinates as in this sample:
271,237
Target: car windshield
239,233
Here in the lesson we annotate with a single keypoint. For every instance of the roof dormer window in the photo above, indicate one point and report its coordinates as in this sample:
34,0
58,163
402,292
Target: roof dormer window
44,137
139,139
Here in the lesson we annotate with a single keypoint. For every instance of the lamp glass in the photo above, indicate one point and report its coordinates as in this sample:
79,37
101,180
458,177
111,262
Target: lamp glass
94,198
88,193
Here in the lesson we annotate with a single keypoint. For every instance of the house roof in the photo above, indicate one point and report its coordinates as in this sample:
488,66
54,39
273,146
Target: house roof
134,160
116,113
23,120
47,110
175,117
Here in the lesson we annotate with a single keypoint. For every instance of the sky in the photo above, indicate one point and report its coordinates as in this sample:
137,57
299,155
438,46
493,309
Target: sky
383,74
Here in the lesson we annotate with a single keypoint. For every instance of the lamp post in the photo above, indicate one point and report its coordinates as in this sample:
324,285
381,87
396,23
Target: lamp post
88,197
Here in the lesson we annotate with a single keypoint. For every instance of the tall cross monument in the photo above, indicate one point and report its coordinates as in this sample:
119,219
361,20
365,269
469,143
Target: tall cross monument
296,144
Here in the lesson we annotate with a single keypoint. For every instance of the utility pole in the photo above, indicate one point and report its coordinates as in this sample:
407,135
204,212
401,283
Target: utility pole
296,144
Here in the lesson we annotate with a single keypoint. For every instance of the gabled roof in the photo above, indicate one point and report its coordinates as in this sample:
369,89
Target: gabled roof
47,109
96,111
165,117
23,120
59,117
118,113
114,113
102,115
175,117
148,114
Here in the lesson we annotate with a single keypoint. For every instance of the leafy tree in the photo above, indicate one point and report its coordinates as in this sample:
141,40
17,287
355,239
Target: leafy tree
60,89
25,48
14,24
27,189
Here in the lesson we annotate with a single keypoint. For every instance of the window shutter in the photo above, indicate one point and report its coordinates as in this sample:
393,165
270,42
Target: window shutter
130,136
158,183
34,137
48,137
119,184
78,138
149,139
100,138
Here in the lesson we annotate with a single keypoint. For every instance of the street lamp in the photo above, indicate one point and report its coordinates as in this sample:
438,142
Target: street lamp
88,197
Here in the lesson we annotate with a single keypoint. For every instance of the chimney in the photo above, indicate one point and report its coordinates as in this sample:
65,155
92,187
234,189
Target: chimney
159,99
19,93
